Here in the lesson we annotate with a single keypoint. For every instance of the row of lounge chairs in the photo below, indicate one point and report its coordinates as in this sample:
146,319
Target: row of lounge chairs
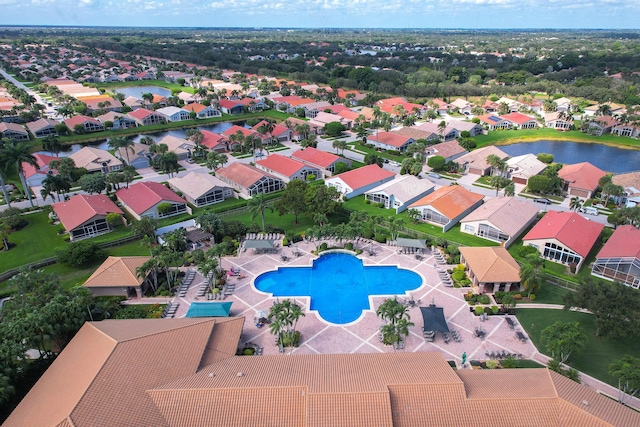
205,284
502,354
479,332
263,236
170,309
186,281
440,259
445,277
410,251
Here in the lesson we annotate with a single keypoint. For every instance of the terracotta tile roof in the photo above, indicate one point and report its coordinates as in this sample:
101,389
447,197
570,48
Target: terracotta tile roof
449,201
505,213
627,180
228,104
142,196
569,228
478,158
41,124
491,264
242,174
92,158
623,243
12,127
365,175
583,176
316,157
81,208
414,133
447,149
235,128
281,164
80,120
212,139
43,161
293,100
195,107
388,138
140,113
117,271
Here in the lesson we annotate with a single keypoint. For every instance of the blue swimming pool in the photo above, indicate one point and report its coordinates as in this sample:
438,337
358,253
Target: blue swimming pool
339,285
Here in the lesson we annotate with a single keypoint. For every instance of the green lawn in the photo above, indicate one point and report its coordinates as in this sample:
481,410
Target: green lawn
112,87
598,353
34,242
548,294
515,136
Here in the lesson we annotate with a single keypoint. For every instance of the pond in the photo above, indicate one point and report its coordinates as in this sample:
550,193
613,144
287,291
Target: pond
157,136
607,158
137,91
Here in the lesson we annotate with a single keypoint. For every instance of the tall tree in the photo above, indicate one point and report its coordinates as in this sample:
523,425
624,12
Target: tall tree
257,205
398,321
19,153
293,199
563,339
627,371
532,275
575,203
118,142
52,144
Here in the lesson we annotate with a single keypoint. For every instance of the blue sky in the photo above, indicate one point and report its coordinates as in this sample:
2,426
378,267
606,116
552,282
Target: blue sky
326,13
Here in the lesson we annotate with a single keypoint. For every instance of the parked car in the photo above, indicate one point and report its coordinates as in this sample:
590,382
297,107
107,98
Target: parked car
590,210
434,175
542,200
395,164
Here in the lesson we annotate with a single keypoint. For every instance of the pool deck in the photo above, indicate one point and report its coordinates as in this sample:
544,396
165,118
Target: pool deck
361,336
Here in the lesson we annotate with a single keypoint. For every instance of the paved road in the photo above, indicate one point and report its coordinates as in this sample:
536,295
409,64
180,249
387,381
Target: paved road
49,111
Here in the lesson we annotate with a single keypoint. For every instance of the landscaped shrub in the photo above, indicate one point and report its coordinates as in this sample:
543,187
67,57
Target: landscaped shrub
523,251
79,253
484,299
349,246
492,364
495,309
368,233
532,297
479,311
381,238
517,297
323,246
487,310
458,276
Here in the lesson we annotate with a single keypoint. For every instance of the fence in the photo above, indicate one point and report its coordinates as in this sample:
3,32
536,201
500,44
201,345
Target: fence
52,260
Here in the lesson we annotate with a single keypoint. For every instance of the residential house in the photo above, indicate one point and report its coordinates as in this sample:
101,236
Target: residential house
441,106
96,160
187,369
558,121
400,192
500,219
320,159
494,122
35,175
229,106
520,121
151,199
279,132
563,104
416,134
216,142
392,106
289,104
118,276
252,104
312,109
389,141
43,128
601,125
249,180
564,237
626,129
117,120
13,131
619,258
474,129
174,114
187,98
463,106
133,102
139,156
630,182
201,189
475,162
101,102
288,169
450,150
521,168
323,118
581,179
447,205
446,134
159,100
203,111
88,124
491,269
145,117
85,216
182,147
357,181
511,103
237,130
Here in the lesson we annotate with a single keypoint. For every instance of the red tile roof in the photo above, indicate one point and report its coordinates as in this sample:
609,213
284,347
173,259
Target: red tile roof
235,128
281,165
228,104
142,196
583,176
140,113
81,208
518,118
623,243
316,157
569,228
43,161
388,138
212,139
363,176
80,120
195,107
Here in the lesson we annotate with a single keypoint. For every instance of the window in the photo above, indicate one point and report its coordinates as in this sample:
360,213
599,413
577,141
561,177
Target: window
469,228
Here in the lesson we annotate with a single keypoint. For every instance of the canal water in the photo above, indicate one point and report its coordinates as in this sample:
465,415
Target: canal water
607,158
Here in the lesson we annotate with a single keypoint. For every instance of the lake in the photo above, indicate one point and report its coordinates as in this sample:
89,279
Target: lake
137,91
180,133
610,159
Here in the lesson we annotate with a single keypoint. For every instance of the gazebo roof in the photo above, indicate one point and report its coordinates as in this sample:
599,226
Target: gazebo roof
258,244
410,243
209,309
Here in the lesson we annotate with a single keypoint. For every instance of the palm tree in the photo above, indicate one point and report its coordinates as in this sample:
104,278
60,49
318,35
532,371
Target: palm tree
575,204
52,145
118,142
303,130
169,163
19,153
147,140
531,276
257,205
3,168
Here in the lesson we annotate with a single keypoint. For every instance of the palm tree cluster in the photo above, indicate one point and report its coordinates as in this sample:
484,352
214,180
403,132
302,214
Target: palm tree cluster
283,319
398,321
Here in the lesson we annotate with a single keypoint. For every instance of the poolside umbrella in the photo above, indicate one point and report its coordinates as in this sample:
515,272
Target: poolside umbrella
260,314
434,319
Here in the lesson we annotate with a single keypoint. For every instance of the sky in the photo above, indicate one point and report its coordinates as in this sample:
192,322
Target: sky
466,14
